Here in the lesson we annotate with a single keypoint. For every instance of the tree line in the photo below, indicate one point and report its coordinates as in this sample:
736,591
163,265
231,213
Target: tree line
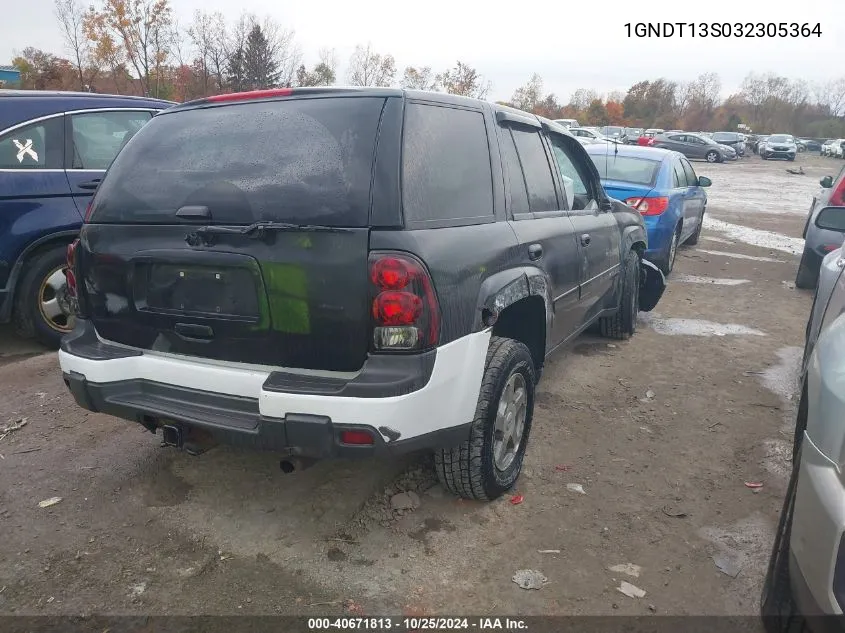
138,47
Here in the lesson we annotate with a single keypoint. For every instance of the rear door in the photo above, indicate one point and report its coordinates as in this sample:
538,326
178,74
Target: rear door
34,195
92,140
169,261
545,233
597,230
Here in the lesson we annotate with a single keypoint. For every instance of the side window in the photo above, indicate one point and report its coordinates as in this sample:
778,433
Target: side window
692,179
35,146
538,172
679,176
681,138
510,159
446,172
573,174
97,137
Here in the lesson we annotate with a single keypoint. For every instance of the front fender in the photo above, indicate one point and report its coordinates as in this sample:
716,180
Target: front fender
652,285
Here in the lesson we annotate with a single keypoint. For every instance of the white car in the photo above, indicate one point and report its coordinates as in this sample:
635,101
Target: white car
836,149
583,132
567,122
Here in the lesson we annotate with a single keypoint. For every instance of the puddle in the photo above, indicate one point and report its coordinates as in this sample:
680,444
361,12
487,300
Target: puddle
717,239
756,237
694,327
716,281
741,256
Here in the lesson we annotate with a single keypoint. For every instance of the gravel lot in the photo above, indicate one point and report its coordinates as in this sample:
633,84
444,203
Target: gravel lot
662,432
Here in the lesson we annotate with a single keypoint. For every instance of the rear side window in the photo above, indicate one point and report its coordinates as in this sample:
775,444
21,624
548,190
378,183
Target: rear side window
538,172
518,192
99,136
679,178
446,172
35,146
304,161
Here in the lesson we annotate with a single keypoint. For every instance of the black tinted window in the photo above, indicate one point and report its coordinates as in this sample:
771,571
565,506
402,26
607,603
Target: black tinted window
305,161
445,164
518,192
538,173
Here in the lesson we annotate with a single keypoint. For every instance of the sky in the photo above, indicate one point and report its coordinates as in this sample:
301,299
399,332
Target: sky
568,45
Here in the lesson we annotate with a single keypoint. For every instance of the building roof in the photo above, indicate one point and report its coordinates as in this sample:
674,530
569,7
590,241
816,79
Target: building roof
9,69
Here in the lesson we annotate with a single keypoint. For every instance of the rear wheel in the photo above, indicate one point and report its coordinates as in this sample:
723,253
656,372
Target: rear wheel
489,462
623,324
712,156
807,277
42,310
669,262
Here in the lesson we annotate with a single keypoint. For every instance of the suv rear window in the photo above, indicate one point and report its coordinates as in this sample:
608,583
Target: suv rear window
305,161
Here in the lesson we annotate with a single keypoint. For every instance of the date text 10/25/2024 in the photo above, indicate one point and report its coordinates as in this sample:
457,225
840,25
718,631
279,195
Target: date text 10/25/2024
417,624
723,29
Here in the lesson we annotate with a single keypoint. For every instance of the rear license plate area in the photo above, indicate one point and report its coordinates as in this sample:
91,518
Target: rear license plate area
225,292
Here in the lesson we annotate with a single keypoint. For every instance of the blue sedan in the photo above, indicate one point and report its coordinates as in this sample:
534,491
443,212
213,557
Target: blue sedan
663,187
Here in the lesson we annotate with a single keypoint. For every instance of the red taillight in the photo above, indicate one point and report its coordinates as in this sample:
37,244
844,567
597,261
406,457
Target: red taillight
830,247
252,94
397,308
88,210
70,261
356,437
837,196
404,308
390,273
649,206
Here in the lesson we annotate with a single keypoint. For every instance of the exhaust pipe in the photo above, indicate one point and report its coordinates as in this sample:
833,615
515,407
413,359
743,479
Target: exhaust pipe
292,464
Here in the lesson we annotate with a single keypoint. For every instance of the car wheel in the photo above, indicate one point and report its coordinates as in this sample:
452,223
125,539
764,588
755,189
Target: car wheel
777,605
669,262
489,462
807,277
800,149
712,156
791,158
42,309
623,324
692,240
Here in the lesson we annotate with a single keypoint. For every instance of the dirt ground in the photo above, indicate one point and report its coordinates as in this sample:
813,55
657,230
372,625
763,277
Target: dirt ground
661,431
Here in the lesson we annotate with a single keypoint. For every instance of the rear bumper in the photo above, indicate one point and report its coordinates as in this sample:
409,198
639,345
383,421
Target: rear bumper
302,414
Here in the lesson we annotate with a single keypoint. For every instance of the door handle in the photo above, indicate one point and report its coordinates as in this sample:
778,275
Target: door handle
193,333
535,251
90,184
585,239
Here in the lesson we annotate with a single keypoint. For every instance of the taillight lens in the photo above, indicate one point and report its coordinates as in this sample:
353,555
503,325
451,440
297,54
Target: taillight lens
88,210
70,270
359,438
404,308
827,248
649,206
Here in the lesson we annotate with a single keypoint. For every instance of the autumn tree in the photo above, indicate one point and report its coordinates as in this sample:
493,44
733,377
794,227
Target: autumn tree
368,68
615,113
43,71
209,35
419,78
71,17
141,29
596,113
651,104
464,80
529,95
582,98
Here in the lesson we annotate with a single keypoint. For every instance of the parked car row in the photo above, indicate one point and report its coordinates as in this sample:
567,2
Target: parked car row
833,148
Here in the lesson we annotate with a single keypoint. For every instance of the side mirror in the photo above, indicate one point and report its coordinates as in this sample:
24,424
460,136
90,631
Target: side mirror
831,219
826,182
704,181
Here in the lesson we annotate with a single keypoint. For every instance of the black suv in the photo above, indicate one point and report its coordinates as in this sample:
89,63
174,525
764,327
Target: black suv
347,272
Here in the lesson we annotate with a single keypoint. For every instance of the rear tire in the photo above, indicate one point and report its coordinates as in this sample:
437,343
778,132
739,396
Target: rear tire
36,299
806,278
668,264
623,324
470,470
712,156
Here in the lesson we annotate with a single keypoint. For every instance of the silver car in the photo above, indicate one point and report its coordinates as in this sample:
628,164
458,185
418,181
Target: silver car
695,146
819,242
806,575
